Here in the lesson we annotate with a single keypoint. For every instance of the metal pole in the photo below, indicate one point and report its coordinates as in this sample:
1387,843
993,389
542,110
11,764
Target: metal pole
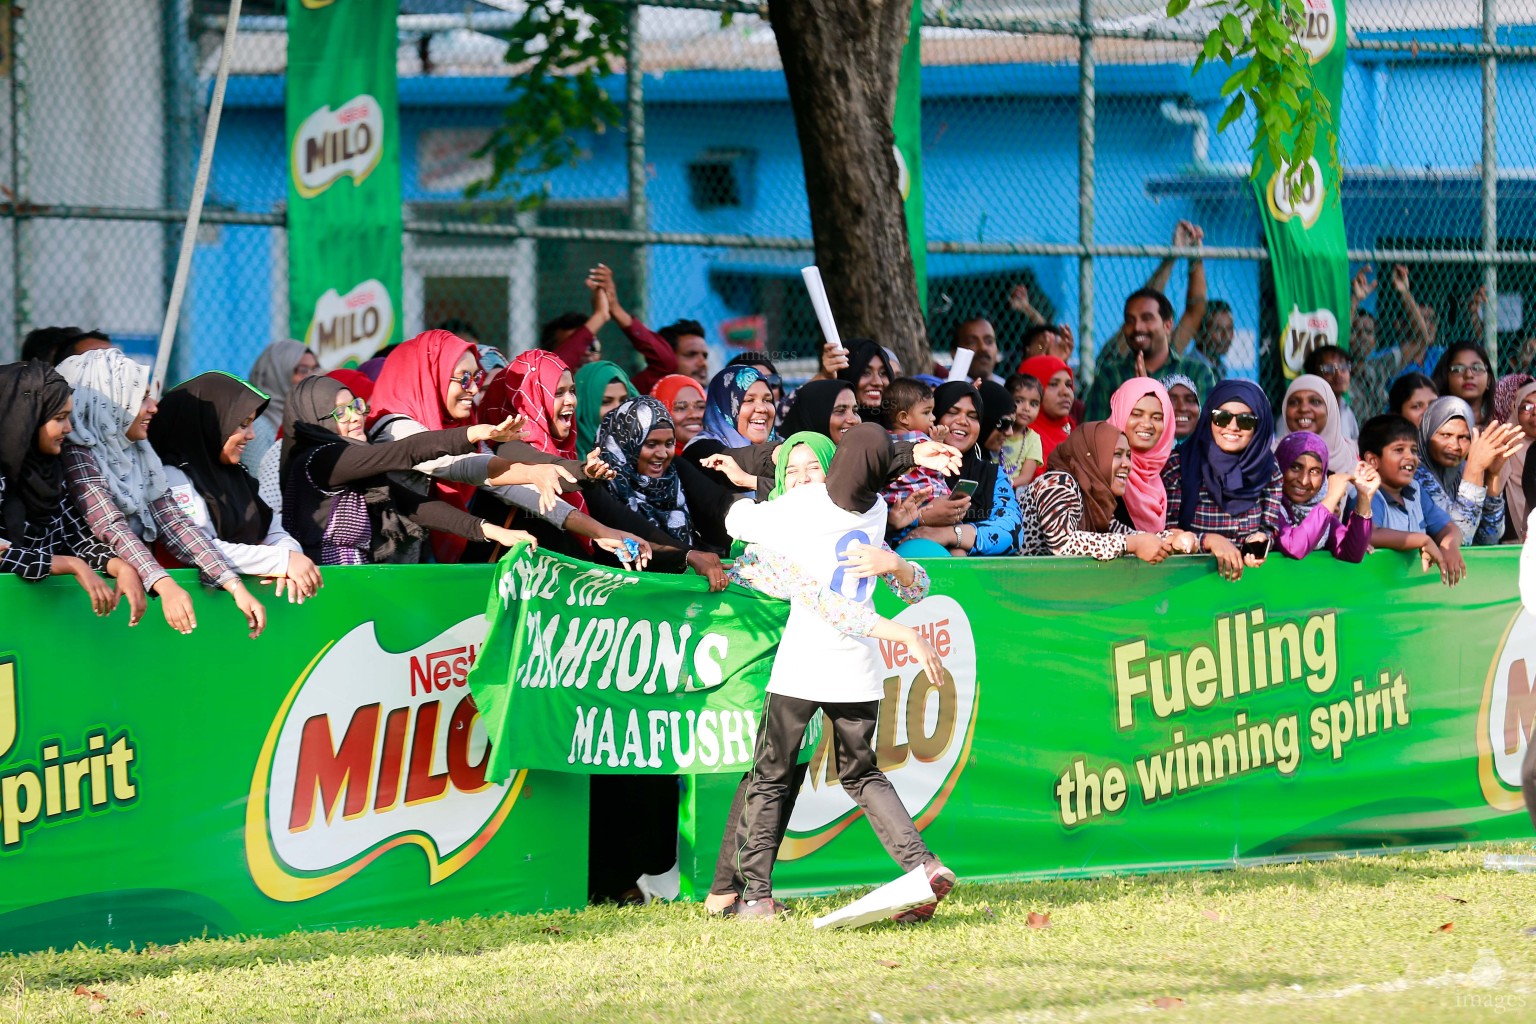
1490,171
195,212
18,183
634,115
179,114
1085,152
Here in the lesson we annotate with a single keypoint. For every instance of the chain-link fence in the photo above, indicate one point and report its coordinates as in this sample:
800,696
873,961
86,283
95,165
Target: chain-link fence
1063,145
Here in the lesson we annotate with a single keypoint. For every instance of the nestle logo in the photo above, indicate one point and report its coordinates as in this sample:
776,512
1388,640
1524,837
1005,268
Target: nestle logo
440,670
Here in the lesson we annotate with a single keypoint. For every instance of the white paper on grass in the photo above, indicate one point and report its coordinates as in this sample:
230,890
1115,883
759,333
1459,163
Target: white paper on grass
910,890
961,368
818,291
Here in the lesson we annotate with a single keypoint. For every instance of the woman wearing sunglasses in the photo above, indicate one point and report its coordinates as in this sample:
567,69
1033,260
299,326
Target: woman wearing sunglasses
430,383
1223,483
337,501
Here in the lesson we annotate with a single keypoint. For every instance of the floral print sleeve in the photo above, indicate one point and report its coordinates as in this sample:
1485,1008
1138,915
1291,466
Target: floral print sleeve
773,574
919,588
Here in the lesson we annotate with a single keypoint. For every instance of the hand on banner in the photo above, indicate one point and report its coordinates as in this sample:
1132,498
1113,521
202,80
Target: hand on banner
1229,560
509,429
632,552
130,588
103,598
937,456
301,582
255,614
509,538
176,606
707,564
1149,547
1183,542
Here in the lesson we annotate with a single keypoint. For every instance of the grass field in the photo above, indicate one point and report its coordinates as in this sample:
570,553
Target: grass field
1401,938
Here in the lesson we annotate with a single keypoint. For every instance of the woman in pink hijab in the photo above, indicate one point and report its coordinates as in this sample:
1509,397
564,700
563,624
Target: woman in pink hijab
1142,409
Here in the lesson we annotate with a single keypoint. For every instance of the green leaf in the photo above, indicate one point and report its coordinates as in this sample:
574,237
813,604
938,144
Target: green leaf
1288,96
1212,45
1234,111
1234,82
1232,28
1177,7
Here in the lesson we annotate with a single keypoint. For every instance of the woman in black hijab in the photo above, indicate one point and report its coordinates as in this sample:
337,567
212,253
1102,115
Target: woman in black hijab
337,501
201,433
823,407
41,534
989,524
869,373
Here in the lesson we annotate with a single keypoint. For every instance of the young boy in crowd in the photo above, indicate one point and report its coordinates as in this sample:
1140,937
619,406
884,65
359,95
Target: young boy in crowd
1400,520
1022,452
906,412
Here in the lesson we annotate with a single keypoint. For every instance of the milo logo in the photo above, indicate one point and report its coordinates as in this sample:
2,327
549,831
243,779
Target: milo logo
331,144
351,327
1317,29
1506,717
1305,332
374,749
1289,198
923,738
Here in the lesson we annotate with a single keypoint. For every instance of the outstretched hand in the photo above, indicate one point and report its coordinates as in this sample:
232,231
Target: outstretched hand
937,456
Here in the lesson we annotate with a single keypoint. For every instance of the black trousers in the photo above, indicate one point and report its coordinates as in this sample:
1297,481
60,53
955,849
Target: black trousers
1528,778
779,733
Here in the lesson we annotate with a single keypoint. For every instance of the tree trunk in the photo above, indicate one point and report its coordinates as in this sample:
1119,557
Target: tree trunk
841,61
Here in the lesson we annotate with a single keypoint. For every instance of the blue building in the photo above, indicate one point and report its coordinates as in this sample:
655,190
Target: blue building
1000,164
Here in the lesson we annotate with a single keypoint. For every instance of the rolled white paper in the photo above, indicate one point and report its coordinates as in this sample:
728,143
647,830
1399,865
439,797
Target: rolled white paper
812,275
961,369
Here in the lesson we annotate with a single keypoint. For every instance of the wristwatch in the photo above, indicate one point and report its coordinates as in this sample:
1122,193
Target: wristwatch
959,536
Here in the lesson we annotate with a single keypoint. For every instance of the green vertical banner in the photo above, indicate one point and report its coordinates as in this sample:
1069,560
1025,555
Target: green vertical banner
908,126
344,218
1307,250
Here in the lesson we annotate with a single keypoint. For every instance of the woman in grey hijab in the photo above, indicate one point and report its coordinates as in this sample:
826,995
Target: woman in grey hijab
280,366
1461,467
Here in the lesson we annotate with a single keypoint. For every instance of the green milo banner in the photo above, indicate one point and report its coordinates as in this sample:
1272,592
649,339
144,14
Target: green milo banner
330,773
344,212
1307,250
1109,717
1093,718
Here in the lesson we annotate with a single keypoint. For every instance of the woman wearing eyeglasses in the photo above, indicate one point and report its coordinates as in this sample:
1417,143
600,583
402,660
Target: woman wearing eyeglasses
429,383
337,501
1223,483
1464,371
200,433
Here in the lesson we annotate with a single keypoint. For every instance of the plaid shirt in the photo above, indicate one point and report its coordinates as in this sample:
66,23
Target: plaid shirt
904,486
182,539
1118,365
31,556
1264,517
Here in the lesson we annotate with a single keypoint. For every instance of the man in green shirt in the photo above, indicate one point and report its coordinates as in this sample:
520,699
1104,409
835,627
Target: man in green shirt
1148,331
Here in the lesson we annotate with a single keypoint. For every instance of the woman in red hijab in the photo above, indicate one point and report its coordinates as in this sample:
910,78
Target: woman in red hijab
1057,391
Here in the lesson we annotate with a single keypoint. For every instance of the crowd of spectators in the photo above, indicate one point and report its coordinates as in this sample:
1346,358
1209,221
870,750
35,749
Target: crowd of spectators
442,449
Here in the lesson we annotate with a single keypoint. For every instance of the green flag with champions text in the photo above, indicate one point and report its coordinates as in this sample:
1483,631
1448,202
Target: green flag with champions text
344,217
594,670
1307,250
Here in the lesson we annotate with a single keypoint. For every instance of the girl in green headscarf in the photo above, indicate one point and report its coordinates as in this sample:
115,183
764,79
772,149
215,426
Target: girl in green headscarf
600,387
772,573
